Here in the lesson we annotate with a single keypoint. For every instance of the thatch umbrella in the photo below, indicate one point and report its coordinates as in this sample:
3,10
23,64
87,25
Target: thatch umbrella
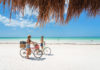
55,8
77,6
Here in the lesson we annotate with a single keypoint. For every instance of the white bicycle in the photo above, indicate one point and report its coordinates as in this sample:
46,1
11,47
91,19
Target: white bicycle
35,51
46,50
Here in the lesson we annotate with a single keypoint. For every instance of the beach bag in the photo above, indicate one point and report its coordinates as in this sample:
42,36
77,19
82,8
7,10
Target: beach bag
22,44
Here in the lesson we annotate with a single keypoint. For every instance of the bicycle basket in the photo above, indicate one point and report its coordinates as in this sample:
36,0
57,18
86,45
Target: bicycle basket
22,44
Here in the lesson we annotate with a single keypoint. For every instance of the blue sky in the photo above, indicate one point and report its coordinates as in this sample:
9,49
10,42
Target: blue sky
20,26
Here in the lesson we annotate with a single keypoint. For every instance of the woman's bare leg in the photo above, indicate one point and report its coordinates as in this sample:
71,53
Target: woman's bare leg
27,55
42,48
29,51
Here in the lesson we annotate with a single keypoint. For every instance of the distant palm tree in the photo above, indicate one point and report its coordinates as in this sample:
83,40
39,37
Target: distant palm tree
55,8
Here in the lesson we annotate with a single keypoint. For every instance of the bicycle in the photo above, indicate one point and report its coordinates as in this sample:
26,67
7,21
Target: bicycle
35,51
46,50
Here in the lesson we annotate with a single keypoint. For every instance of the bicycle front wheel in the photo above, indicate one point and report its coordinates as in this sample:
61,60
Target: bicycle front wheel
38,53
47,51
23,53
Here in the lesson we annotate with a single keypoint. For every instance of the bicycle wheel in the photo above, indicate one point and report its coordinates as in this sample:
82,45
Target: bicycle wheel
38,53
47,51
23,53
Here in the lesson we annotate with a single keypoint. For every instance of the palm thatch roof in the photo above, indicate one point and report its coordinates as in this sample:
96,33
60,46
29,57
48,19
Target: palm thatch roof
55,8
76,7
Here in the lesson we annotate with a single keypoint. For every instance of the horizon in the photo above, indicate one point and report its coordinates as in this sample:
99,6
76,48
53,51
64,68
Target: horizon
53,37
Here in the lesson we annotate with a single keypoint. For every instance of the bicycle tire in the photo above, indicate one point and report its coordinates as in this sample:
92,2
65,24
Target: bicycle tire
23,53
38,53
47,51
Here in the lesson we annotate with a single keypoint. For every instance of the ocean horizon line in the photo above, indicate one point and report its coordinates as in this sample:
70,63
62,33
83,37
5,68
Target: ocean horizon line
55,38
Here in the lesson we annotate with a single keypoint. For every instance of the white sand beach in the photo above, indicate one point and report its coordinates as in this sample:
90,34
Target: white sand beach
70,28
63,57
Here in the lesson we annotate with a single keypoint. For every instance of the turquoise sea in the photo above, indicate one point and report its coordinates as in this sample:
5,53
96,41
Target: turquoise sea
56,38
68,40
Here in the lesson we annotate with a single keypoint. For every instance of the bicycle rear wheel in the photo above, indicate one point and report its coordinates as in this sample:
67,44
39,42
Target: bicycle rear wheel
23,53
38,53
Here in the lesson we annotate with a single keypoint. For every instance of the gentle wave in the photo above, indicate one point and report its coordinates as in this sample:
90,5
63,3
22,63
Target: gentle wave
51,41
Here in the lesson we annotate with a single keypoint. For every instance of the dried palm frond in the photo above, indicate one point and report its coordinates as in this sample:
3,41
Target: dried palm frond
76,7
55,8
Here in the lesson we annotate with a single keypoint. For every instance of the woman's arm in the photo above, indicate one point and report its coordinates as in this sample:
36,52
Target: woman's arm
27,41
32,42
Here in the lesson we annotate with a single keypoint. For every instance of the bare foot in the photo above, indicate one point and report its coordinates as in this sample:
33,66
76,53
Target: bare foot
27,57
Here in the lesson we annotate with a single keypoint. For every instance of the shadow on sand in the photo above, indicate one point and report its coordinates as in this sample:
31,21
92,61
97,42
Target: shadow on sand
37,59
40,59
49,54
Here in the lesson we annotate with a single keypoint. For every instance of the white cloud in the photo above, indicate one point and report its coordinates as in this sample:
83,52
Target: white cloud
52,21
28,12
22,22
66,6
17,23
66,2
65,11
34,12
